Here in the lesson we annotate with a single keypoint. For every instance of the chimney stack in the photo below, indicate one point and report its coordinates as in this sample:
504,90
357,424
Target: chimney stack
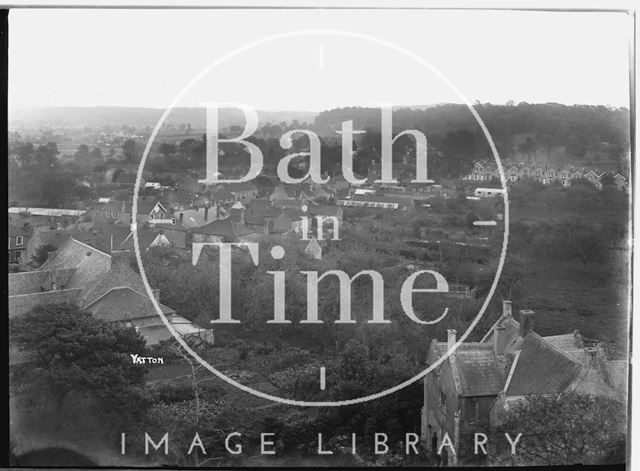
156,294
267,228
592,356
506,308
526,322
206,213
451,338
499,339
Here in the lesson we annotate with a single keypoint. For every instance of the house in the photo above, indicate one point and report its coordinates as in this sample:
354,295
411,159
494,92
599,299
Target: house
314,249
72,214
242,191
175,234
104,284
197,217
260,217
18,241
620,181
106,212
147,210
488,192
147,238
478,383
284,192
221,196
379,202
220,230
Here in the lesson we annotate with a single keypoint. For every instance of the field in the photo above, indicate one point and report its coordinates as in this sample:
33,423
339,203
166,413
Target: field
565,297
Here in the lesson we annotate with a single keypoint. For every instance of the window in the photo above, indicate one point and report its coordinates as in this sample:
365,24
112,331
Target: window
443,399
19,241
472,410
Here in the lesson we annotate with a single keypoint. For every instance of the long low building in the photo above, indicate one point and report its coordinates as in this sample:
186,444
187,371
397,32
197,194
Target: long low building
104,284
53,212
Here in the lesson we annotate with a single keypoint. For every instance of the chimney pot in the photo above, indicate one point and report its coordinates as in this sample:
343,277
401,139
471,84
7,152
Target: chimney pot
451,338
181,217
526,322
506,308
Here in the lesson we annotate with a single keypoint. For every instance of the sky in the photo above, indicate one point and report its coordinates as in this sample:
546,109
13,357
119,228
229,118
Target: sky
146,58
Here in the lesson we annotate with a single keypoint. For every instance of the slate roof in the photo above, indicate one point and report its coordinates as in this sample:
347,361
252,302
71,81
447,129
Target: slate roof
568,343
72,254
119,275
541,368
255,216
23,303
219,227
22,219
146,237
178,226
124,304
38,281
476,368
193,218
17,230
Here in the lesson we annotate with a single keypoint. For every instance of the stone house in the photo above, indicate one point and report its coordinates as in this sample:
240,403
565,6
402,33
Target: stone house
475,385
18,242
104,284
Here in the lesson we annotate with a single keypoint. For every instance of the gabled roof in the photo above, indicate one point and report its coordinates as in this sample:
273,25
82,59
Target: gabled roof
18,231
124,304
72,254
146,238
144,206
120,274
194,218
474,366
38,281
542,368
568,343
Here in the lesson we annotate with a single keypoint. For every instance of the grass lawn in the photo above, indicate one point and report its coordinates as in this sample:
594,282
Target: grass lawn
565,297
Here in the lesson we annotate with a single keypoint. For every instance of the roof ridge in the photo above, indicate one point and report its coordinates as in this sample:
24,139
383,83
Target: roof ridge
546,342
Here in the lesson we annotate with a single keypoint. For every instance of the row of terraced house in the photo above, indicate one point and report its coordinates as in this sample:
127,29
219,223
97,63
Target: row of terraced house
546,174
